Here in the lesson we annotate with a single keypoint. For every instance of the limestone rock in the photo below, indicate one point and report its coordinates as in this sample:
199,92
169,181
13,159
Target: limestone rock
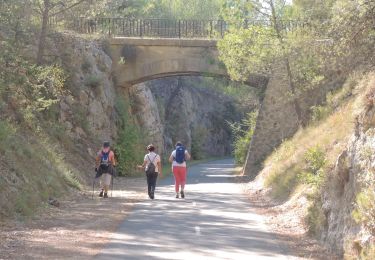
175,109
54,202
85,59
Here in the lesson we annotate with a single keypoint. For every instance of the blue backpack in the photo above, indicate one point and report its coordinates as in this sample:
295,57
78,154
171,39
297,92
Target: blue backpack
104,160
180,154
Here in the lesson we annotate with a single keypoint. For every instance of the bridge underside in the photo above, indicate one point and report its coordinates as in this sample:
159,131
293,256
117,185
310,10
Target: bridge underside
256,81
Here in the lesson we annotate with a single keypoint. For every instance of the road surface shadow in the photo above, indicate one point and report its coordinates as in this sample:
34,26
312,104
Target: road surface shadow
213,222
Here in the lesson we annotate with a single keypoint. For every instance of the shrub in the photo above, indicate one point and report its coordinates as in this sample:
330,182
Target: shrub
315,217
315,160
86,65
334,99
364,212
243,132
93,81
368,253
6,131
129,148
80,117
319,113
283,184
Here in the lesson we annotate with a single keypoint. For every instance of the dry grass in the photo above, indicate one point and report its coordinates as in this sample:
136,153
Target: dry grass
34,168
331,135
283,168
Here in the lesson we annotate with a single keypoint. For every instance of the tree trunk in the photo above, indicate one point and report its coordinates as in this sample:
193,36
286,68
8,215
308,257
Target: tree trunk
43,32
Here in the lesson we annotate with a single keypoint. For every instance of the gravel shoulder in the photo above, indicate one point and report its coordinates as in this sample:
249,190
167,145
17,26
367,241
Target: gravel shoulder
287,220
79,228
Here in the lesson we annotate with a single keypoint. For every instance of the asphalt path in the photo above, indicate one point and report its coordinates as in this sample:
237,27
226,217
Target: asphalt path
214,221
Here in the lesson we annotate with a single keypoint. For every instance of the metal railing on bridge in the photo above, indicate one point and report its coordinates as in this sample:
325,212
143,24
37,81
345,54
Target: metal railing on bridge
161,28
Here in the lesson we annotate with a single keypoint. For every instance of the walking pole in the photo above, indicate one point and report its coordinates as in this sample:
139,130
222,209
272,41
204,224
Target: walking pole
93,187
113,176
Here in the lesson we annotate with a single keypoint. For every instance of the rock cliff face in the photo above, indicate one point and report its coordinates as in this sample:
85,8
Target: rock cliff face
89,108
353,173
178,108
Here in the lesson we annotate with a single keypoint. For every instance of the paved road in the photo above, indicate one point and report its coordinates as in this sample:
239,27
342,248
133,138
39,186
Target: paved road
213,222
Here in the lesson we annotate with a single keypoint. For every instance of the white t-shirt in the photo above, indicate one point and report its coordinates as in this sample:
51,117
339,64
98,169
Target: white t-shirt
174,163
154,158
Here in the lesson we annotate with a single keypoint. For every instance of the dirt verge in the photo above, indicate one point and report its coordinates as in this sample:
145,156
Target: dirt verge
78,229
286,220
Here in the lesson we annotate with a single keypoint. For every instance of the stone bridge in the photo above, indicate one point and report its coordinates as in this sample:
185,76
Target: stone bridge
136,60
141,59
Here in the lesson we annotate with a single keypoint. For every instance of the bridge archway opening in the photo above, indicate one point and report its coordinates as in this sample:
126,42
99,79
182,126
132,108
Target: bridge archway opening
192,108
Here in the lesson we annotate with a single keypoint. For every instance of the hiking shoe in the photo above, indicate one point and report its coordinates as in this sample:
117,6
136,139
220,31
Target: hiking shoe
182,194
105,195
101,194
177,196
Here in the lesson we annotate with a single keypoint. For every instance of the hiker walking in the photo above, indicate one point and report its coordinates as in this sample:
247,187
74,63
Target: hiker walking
152,166
178,159
104,168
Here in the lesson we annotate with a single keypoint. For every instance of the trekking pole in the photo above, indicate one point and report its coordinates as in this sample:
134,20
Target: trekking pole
113,176
93,187
112,186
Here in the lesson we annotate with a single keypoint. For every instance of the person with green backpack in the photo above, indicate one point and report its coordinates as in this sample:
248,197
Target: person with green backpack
152,166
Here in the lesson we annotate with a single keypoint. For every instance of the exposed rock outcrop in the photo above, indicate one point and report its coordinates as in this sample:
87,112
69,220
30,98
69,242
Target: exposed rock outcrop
353,172
178,108
89,109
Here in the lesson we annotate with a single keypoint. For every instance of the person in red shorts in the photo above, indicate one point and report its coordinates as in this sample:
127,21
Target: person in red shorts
178,159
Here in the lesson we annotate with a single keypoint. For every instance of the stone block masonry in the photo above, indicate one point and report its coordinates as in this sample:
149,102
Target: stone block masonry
277,120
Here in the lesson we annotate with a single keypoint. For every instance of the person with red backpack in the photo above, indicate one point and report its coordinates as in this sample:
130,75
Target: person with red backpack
178,159
104,167
152,166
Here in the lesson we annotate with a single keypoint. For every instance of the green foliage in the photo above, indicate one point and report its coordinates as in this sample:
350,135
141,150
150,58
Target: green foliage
319,113
334,99
86,65
283,184
246,96
243,132
364,212
365,209
32,90
93,81
24,206
315,218
243,51
6,131
198,135
315,160
80,117
129,148
167,9
368,253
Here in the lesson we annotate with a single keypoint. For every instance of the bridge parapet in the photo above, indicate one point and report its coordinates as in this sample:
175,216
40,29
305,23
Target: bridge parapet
166,28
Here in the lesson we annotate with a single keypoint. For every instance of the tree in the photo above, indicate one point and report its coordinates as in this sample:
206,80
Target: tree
254,46
47,9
